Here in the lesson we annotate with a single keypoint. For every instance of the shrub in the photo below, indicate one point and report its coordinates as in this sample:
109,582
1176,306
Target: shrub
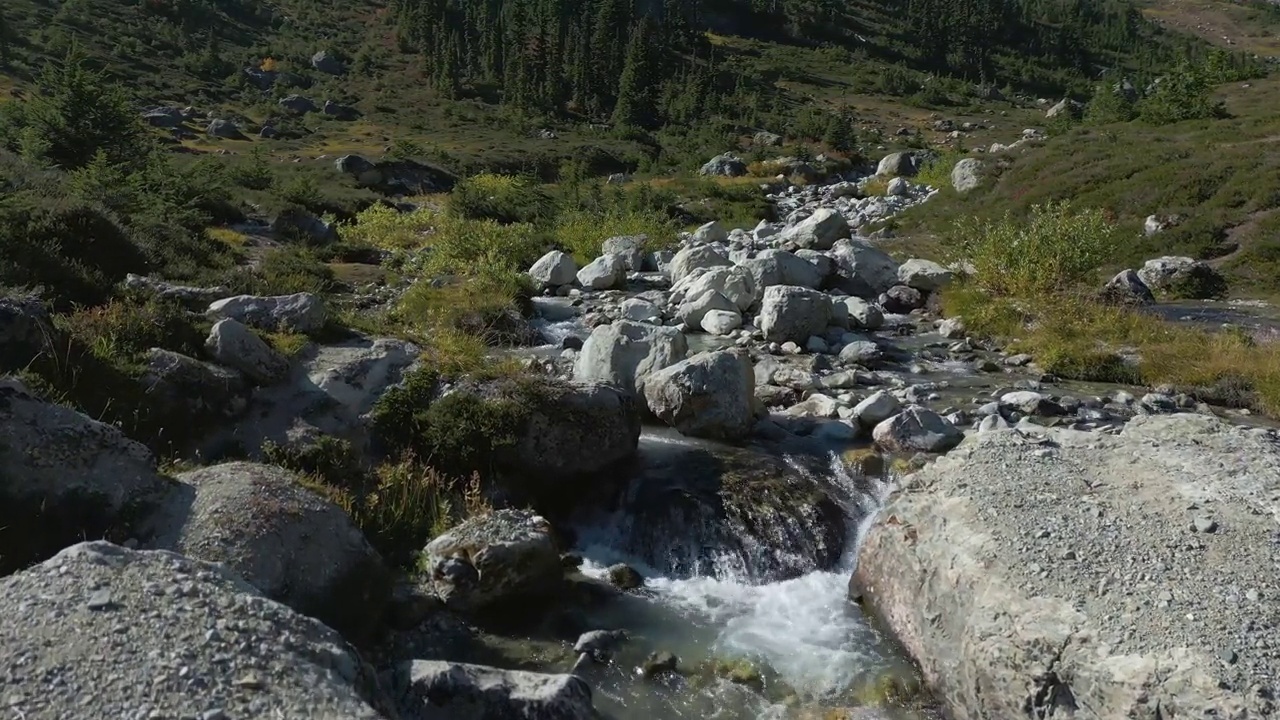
1109,104
330,459
387,228
1055,249
122,331
936,172
399,418
409,504
502,198
1184,94
583,233
284,271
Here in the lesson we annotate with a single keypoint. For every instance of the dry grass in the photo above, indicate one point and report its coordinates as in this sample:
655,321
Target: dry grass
1077,338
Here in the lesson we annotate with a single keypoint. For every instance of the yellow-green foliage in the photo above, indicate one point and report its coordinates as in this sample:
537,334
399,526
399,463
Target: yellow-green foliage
504,198
477,247
1073,336
289,345
1054,250
767,168
876,186
389,229
582,233
936,173
227,236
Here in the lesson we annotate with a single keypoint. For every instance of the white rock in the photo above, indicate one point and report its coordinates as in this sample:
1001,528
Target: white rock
640,311
863,270
624,352
966,175
818,232
693,310
793,313
233,344
917,429
712,232
300,312
607,272
721,322
554,269
877,408
898,187
924,275
709,395
694,258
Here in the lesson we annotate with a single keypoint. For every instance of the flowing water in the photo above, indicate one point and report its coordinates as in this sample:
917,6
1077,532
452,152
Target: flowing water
800,643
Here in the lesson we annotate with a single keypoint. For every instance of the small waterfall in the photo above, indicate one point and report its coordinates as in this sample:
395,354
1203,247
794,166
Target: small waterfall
802,631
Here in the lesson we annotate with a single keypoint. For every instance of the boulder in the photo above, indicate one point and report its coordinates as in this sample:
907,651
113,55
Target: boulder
326,62
899,164
693,310
301,224
224,129
297,104
861,352
607,272
104,632
764,138
694,258
188,296
861,315
863,270
917,429
331,393
708,395
735,283
877,408
514,557
26,331
1026,528
952,328
924,275
1126,288
572,429
819,231
233,344
339,111
65,477
437,690
901,299
967,175
793,313
191,393
300,313
779,267
554,269
1156,224
1066,108
726,165
290,544
709,233
1182,277
641,310
721,322
624,352
628,247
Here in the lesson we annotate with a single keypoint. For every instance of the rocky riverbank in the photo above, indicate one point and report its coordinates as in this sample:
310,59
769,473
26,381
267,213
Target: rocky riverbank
1040,572
691,537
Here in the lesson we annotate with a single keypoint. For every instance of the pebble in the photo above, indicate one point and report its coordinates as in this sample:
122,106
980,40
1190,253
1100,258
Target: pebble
1204,524
100,600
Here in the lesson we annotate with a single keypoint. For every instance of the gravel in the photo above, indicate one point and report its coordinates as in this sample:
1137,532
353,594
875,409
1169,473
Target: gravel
1116,571
99,631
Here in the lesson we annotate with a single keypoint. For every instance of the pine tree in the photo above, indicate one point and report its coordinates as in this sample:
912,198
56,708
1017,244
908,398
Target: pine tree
636,104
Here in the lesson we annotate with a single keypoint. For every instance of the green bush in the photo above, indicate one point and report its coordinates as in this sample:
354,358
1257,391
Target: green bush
936,173
1055,249
399,418
1184,94
331,459
582,233
502,198
1109,104
284,271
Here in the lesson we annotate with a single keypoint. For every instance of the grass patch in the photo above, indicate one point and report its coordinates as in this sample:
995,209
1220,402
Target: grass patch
581,233
936,173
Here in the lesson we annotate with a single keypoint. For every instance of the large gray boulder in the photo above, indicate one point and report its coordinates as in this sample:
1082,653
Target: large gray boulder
326,62
967,175
574,429
779,267
224,129
330,393
624,352
899,164
696,307
100,631
300,312
917,429
298,104
819,231
628,247
189,296
65,477
858,314
709,395
735,283
283,539
233,344
694,258
789,313
1182,277
301,224
503,559
436,690
1126,288
26,331
554,269
191,393
924,275
726,165
1001,568
862,269
607,272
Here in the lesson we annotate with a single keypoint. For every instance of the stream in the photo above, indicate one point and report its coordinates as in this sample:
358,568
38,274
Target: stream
806,647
